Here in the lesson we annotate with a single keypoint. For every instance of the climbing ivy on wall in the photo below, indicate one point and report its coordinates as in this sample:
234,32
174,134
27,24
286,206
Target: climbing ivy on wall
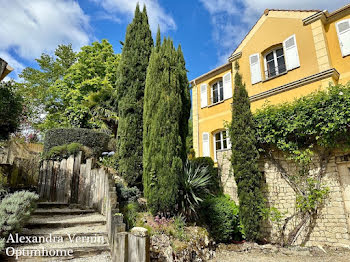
305,130
319,119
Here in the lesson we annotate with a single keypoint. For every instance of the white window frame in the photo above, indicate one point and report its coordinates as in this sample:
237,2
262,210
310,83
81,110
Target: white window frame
228,142
274,51
219,94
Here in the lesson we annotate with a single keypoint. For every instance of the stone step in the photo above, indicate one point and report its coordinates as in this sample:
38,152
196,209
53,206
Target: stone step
62,211
52,204
87,253
38,221
89,229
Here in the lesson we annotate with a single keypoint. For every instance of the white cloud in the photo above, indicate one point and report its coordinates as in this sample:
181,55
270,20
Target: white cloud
30,28
156,14
232,19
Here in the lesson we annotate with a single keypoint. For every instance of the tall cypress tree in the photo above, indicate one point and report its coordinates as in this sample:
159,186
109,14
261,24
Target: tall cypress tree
244,161
166,113
130,85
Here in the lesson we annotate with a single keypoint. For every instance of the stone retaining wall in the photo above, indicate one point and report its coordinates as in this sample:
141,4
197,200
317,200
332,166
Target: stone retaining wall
331,227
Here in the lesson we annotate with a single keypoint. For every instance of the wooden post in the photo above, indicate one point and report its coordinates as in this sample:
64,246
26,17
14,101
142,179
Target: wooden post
62,187
92,188
55,178
69,176
82,188
75,178
48,183
87,176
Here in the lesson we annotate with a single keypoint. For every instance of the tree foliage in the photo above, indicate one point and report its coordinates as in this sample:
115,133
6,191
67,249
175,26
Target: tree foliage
244,161
11,109
166,114
35,88
70,89
130,85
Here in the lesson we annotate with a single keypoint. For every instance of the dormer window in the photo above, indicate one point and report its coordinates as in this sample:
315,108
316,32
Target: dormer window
275,63
217,92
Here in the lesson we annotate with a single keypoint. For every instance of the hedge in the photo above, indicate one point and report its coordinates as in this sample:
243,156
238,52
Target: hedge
97,141
220,214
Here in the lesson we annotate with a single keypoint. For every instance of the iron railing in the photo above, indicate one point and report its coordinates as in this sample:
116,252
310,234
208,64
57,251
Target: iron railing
275,71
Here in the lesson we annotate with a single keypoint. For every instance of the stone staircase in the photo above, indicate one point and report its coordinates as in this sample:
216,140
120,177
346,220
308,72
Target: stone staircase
62,228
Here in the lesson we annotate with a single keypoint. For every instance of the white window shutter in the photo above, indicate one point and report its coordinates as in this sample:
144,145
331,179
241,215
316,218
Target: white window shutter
227,86
206,145
343,30
204,96
291,53
255,70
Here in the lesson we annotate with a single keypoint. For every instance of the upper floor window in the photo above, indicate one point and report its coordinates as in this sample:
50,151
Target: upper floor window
275,63
217,92
343,30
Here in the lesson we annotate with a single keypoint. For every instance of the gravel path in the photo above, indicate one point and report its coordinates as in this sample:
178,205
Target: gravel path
268,253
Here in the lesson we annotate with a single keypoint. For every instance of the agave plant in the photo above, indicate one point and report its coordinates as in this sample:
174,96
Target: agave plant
193,185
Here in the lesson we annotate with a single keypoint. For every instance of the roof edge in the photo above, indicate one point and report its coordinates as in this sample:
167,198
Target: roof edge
215,70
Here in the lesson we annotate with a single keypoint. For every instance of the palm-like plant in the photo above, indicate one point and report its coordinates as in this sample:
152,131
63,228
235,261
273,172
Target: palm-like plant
193,185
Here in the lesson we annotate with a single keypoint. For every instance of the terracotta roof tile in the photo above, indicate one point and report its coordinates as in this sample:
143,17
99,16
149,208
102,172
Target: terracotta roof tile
293,10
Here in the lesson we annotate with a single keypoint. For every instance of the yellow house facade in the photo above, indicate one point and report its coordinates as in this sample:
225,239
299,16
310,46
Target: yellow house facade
287,54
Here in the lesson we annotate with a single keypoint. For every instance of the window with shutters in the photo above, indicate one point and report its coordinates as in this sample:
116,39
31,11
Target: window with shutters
343,30
275,63
217,92
221,89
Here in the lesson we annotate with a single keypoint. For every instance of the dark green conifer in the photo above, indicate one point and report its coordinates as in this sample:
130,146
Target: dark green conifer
130,85
245,161
166,113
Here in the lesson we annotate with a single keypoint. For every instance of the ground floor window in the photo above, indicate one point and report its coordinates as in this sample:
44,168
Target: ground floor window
221,141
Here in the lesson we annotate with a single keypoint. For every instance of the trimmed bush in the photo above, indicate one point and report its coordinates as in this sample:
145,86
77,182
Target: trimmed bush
215,183
127,194
221,216
64,151
97,141
15,210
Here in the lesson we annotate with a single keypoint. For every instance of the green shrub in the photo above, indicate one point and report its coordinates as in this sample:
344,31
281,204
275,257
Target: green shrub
215,182
97,141
221,216
179,224
127,194
194,183
15,210
130,212
64,151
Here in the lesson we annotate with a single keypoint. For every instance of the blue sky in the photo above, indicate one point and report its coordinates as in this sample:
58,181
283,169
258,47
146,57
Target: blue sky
208,30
